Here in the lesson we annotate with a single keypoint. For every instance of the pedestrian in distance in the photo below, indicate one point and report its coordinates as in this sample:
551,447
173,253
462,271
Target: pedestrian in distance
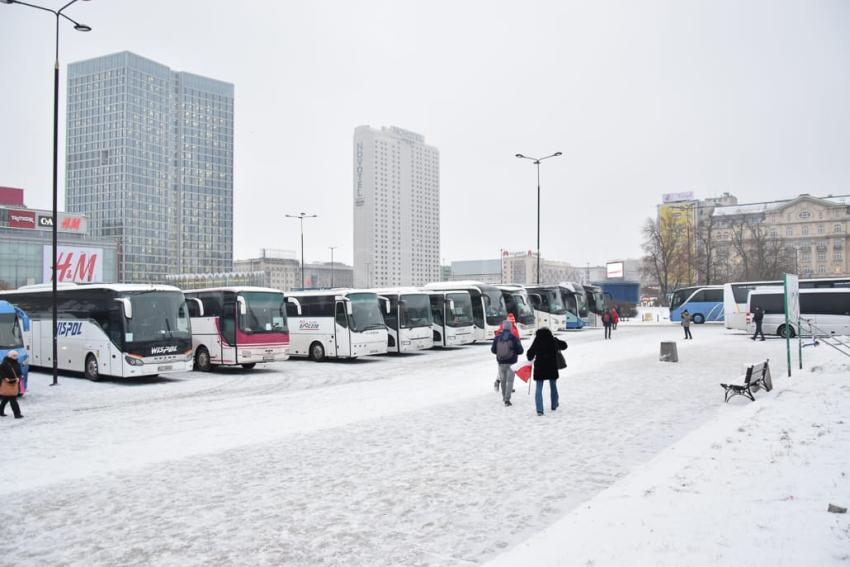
509,323
507,347
686,324
10,384
615,318
544,351
607,322
758,318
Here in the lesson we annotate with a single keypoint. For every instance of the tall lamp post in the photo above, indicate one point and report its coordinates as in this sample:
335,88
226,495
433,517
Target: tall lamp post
83,28
332,265
301,217
536,162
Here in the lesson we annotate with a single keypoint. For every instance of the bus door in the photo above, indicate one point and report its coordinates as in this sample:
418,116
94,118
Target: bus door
342,330
228,352
437,318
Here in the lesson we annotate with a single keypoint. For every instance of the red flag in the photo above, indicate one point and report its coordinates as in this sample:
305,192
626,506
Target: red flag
523,370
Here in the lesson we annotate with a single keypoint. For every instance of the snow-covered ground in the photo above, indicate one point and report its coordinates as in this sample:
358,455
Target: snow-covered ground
413,460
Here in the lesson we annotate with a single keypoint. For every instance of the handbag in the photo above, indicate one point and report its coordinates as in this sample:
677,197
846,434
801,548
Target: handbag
560,360
9,389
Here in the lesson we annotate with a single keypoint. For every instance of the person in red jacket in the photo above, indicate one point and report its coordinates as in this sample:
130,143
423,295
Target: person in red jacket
615,317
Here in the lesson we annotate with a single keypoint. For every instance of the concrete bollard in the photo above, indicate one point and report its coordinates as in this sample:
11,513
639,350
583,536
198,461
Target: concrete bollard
668,352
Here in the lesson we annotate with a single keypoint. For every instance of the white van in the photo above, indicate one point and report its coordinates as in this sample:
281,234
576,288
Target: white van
828,310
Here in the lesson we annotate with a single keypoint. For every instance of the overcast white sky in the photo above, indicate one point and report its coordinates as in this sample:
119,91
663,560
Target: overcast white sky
643,98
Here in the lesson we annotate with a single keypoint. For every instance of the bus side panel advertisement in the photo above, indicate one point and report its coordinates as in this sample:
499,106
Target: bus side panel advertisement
74,264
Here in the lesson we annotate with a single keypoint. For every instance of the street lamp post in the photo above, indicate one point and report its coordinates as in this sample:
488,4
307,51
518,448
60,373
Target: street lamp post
536,162
332,265
54,299
301,217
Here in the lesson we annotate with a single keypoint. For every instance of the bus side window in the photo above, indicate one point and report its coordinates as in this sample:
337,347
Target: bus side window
228,318
341,318
291,309
116,324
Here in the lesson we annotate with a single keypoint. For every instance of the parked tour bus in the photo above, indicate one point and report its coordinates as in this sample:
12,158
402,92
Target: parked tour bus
703,303
408,319
237,325
595,299
120,330
338,323
735,296
823,311
575,302
517,303
14,322
451,318
488,306
548,306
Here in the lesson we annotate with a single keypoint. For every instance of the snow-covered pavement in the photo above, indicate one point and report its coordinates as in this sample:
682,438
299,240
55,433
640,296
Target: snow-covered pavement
408,460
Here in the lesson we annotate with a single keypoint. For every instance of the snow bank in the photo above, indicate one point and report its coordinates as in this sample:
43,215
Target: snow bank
750,487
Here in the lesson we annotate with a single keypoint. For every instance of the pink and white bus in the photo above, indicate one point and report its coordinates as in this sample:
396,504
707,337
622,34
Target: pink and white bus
237,325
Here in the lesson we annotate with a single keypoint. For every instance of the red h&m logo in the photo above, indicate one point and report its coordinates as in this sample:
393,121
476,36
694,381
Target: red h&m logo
71,223
71,267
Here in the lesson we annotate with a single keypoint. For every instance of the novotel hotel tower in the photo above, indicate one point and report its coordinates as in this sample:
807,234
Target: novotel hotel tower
396,208
149,160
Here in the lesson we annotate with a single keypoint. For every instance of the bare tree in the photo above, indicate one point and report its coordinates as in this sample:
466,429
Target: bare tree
663,246
706,253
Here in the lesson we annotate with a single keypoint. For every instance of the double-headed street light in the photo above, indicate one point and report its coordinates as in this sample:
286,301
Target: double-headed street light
536,162
301,217
83,28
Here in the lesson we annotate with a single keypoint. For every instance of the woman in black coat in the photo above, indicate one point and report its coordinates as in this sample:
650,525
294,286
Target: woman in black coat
543,352
10,374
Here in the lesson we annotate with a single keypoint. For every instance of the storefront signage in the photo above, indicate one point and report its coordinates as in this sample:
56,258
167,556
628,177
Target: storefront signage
21,219
73,264
67,223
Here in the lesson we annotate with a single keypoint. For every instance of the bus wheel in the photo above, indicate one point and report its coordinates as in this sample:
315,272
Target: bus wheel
786,332
202,360
249,365
699,319
317,351
91,370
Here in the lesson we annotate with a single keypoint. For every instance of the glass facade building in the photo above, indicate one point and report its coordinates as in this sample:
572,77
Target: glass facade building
149,160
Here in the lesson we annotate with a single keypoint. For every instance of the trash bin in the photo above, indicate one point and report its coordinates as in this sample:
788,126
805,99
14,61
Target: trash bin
668,352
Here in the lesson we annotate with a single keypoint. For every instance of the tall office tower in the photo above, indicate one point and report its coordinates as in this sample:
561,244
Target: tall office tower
149,158
396,208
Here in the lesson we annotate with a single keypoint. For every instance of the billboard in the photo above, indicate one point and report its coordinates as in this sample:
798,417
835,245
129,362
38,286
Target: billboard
614,270
676,197
73,264
67,223
21,219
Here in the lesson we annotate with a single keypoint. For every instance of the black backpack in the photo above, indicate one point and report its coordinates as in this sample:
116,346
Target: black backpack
504,349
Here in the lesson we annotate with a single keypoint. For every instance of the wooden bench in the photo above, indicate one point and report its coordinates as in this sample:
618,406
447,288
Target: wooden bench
756,378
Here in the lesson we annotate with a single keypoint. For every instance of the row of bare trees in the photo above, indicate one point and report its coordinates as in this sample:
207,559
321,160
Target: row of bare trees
676,254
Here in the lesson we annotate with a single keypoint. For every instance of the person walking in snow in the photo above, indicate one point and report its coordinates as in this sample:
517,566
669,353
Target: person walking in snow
10,384
509,323
543,351
615,318
507,348
607,322
758,318
686,324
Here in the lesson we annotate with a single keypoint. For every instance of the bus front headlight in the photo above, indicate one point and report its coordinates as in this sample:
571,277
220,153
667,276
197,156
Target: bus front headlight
134,360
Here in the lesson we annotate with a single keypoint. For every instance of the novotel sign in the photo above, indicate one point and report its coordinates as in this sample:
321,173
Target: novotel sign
358,175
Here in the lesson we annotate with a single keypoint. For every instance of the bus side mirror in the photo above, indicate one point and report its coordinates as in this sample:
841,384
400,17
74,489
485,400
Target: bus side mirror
386,301
296,303
451,305
243,306
200,305
24,319
127,305
349,308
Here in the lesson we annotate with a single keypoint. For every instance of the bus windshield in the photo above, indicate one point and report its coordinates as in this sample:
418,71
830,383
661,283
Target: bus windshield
461,314
494,304
10,332
581,303
415,311
366,312
265,313
680,296
157,316
525,314
556,304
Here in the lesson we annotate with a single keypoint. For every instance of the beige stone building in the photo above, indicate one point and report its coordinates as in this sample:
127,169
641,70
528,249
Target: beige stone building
806,235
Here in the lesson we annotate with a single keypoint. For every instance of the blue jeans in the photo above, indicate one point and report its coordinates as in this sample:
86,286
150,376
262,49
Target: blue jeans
538,393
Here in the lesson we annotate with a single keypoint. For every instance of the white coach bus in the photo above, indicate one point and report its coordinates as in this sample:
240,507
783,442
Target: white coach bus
120,330
548,306
488,306
408,319
339,323
451,315
517,303
237,325
827,310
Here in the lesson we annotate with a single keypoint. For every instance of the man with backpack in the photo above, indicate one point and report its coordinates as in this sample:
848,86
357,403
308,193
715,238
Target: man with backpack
758,319
607,322
507,348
